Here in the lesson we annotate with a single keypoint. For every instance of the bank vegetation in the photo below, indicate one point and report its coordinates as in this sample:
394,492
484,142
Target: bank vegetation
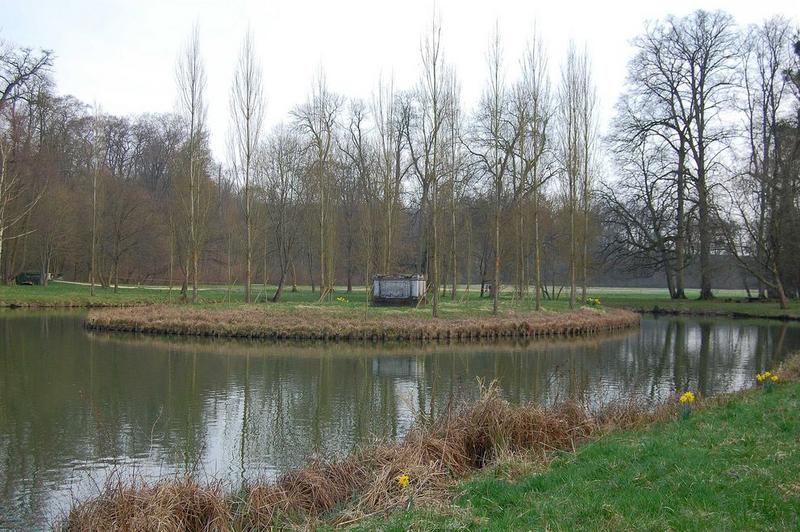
309,322
343,491
420,471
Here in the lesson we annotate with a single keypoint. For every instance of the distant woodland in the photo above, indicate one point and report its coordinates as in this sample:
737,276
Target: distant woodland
696,177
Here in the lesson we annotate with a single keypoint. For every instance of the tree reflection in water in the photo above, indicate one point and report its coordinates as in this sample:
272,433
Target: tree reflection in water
75,406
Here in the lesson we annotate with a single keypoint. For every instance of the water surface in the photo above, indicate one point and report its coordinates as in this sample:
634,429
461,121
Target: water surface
76,406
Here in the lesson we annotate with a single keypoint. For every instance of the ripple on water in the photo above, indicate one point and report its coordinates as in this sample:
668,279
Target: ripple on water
124,406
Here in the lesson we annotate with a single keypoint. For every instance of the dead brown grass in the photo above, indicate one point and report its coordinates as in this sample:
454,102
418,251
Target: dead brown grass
790,368
434,457
310,323
175,504
340,492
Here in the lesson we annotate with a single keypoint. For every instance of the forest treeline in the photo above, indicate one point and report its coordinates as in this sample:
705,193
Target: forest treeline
520,189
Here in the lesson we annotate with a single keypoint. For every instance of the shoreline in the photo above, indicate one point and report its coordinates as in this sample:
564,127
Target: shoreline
656,310
735,315
345,490
310,323
729,464
487,441
73,306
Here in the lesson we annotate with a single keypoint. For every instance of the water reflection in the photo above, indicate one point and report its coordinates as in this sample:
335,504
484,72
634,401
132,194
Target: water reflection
75,406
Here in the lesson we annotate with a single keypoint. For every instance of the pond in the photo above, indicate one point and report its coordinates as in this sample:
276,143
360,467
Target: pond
76,407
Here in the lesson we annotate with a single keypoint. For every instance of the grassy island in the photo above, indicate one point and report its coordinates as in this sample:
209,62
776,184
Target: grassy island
309,322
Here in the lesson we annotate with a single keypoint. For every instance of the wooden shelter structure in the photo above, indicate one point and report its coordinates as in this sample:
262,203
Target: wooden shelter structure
398,289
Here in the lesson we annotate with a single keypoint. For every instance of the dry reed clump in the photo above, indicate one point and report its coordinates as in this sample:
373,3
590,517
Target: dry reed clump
323,324
343,491
175,504
628,414
310,491
432,456
790,368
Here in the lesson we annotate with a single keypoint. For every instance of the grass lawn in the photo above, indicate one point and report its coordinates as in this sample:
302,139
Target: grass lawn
77,295
59,294
728,302
734,466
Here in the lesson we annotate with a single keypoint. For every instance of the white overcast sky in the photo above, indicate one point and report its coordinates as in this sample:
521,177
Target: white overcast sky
122,54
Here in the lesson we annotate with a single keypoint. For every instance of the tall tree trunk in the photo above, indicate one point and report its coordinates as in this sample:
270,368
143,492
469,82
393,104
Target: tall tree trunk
680,233
311,271
93,258
171,258
468,261
435,258
186,276
279,291
230,276
585,255
191,272
705,240
424,222
116,275
3,201
249,252
784,301
496,281
669,274
537,248
572,242
453,260
322,221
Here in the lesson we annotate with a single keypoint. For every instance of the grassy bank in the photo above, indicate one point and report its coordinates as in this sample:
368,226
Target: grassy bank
727,303
310,322
341,492
731,465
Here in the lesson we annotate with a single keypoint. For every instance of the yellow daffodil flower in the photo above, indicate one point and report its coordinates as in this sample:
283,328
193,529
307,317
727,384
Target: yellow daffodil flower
687,397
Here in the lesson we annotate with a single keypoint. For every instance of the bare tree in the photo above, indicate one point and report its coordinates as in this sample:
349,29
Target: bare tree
360,154
704,145
588,123
701,49
20,68
570,106
495,138
457,172
317,120
760,200
426,148
127,212
639,208
282,164
191,80
247,113
652,114
97,162
391,115
534,112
